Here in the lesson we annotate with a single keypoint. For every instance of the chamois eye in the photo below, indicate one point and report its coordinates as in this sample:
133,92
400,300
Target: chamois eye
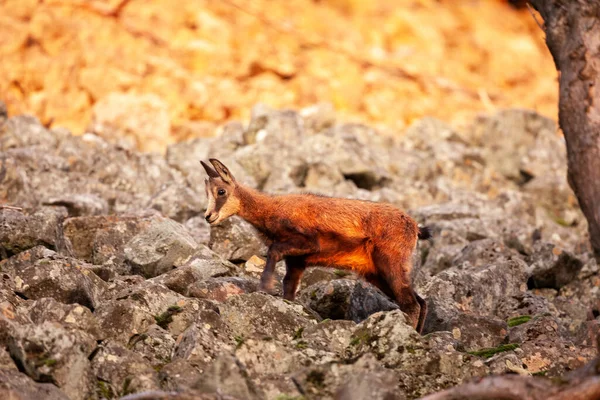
221,192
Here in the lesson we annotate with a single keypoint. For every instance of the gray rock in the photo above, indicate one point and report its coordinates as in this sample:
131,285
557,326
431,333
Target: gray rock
40,272
364,376
164,245
20,232
15,385
179,375
120,371
155,345
471,330
150,296
200,344
80,204
221,288
579,300
261,315
191,311
318,118
50,353
319,274
179,202
120,320
99,239
347,154
199,229
227,376
70,316
417,360
469,289
552,267
354,300
332,336
265,358
511,136
25,130
201,266
479,253
13,313
380,385
546,348
6,363
54,164
188,395
273,126
236,240
528,304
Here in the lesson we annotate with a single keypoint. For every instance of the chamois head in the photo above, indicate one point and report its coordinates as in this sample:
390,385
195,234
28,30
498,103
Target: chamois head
220,188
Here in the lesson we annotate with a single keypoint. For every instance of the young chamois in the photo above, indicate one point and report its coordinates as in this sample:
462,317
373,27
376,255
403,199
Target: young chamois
374,240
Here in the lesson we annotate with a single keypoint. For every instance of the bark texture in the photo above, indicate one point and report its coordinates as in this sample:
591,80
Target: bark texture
573,37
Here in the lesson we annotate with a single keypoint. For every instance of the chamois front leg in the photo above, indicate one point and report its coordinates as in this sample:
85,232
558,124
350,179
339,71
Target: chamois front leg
279,250
266,279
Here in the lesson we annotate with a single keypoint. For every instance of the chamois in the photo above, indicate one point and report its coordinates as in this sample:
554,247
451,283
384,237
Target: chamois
375,240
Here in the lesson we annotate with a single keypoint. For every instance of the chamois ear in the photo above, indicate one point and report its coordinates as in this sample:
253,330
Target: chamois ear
209,170
222,170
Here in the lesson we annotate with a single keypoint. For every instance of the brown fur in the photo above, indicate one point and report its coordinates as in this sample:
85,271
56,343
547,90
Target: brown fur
374,240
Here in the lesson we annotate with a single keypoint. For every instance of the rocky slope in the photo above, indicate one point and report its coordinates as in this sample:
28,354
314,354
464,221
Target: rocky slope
153,72
112,284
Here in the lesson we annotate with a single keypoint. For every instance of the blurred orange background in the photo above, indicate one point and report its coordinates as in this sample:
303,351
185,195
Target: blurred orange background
186,66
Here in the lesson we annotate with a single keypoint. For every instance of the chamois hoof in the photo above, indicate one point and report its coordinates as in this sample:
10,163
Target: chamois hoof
268,289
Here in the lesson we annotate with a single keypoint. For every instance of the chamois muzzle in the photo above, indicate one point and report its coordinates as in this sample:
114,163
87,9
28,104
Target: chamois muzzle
209,218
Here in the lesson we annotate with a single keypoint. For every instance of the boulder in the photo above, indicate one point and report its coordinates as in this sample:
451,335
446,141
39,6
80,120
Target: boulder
179,375
221,288
50,353
417,360
261,315
121,371
227,377
202,265
347,299
149,296
163,246
155,345
20,231
80,204
40,272
99,239
551,267
199,229
70,316
236,240
200,344
120,320
15,385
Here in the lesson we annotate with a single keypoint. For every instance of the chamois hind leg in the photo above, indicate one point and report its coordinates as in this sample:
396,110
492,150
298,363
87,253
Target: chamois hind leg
395,269
295,267
422,314
380,283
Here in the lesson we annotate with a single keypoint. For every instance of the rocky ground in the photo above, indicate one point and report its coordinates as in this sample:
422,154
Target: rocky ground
112,283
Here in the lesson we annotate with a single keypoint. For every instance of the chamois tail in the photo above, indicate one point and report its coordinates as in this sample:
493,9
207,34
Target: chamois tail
424,233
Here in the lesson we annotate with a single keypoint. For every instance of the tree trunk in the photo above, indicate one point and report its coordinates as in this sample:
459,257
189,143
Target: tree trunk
573,37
